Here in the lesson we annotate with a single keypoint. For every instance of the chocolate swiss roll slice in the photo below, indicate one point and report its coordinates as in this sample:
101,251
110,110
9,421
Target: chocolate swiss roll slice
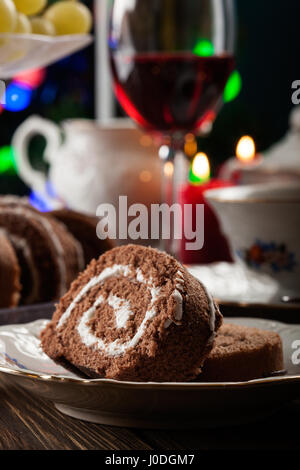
134,314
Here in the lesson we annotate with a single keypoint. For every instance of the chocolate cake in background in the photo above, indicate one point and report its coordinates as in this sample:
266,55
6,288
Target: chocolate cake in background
48,255
10,286
243,353
83,227
134,314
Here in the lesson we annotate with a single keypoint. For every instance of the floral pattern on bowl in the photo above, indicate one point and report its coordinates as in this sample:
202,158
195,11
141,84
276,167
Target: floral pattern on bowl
269,254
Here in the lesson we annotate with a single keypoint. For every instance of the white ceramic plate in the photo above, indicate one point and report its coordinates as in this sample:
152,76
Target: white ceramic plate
147,404
19,52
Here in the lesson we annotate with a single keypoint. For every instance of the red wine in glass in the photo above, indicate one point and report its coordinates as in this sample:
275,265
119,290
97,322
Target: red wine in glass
170,92
170,61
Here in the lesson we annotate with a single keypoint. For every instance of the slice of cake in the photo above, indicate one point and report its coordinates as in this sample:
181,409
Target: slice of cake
10,286
49,256
134,314
83,227
243,353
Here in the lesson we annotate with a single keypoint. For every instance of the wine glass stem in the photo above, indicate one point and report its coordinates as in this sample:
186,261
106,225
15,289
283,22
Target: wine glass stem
174,171
167,194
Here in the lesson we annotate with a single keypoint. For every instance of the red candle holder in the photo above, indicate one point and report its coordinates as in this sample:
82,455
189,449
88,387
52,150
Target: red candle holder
216,247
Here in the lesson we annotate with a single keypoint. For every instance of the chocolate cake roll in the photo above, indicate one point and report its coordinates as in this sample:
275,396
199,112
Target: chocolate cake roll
10,286
83,227
242,353
134,314
49,257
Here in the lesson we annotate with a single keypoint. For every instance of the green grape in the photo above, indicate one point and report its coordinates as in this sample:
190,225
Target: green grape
23,25
8,16
69,17
42,26
30,7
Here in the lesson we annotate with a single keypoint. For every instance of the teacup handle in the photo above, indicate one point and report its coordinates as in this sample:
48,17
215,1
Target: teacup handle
33,126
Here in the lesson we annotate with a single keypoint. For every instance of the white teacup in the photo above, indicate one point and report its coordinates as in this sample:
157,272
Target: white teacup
90,164
262,223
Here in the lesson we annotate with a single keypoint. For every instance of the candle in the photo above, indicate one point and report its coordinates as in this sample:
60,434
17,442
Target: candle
215,244
246,160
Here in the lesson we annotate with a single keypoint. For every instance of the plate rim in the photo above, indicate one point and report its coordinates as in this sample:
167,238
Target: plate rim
43,377
151,385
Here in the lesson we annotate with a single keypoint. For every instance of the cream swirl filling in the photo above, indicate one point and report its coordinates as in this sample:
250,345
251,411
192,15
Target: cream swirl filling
122,310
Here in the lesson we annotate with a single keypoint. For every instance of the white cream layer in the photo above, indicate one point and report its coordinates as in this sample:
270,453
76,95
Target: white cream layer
177,295
212,308
122,310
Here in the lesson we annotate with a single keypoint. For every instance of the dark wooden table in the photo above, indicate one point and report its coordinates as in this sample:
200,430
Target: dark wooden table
27,422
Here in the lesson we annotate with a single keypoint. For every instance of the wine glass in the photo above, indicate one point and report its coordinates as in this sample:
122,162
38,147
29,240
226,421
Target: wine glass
170,62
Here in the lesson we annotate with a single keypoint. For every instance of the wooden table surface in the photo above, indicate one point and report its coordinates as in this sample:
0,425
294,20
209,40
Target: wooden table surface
30,423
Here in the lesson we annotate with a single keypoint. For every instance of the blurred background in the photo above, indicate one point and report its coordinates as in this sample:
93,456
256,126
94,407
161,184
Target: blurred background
258,101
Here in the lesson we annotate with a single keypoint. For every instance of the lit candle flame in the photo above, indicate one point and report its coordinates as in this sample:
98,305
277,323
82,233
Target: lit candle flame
201,167
245,149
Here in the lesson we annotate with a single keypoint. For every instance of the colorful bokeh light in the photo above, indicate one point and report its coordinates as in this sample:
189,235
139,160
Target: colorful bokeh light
7,160
38,202
233,86
204,48
31,78
18,97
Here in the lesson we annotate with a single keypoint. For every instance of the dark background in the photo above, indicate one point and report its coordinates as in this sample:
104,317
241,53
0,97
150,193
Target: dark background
267,58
